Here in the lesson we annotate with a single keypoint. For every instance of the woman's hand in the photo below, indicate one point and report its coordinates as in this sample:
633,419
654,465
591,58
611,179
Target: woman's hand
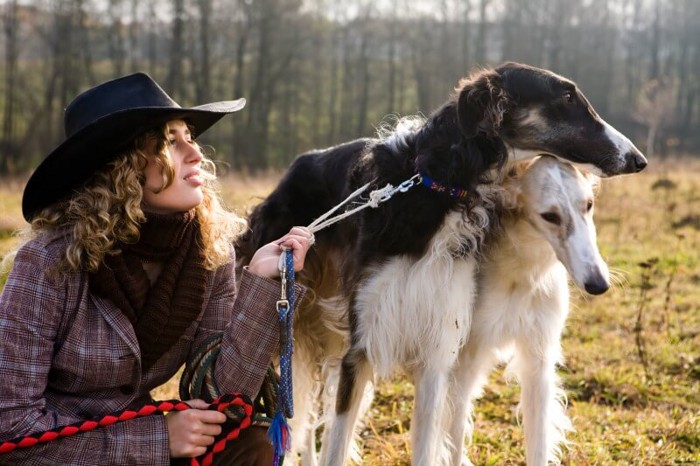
266,259
191,432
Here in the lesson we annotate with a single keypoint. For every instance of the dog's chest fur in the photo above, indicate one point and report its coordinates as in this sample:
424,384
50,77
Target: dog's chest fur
417,311
523,289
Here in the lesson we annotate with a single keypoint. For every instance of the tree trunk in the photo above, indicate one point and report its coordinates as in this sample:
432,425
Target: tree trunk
174,82
466,39
134,35
203,80
333,90
391,63
651,140
115,39
347,93
422,69
655,39
364,79
9,150
480,55
238,143
257,131
633,55
152,38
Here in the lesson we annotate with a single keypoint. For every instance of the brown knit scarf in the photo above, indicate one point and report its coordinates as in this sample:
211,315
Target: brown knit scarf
160,313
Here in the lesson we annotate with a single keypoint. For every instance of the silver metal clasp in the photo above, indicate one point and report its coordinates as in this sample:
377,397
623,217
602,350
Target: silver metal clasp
409,183
283,302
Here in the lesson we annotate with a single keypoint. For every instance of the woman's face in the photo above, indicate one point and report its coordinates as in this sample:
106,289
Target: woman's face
185,191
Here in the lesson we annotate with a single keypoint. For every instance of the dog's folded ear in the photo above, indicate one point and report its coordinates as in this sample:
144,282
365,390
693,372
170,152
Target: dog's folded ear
481,104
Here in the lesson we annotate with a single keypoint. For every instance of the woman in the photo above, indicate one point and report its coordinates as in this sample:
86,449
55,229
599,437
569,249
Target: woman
127,268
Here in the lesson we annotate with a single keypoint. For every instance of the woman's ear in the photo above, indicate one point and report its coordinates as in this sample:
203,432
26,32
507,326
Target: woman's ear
481,104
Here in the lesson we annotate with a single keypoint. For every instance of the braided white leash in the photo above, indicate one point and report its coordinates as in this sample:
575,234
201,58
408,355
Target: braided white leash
376,197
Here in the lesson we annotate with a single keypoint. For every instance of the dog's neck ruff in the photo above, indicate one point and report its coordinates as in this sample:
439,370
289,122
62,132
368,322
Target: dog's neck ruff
459,193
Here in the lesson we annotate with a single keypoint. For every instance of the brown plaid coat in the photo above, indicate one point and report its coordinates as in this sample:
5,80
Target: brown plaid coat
66,355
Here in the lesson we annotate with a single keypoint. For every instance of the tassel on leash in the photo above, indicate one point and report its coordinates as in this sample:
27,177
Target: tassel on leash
279,432
280,436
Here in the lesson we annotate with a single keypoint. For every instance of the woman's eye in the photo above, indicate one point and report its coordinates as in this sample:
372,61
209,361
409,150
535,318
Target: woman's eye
551,217
171,142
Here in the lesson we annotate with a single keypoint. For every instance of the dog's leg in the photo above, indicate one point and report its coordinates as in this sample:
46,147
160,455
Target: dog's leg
355,374
328,397
429,446
331,378
468,377
544,419
306,393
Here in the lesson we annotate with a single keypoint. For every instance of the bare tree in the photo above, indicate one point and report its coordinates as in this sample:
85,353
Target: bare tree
115,38
391,60
480,46
655,108
688,15
422,61
264,18
134,34
363,69
347,96
9,151
175,80
203,77
634,49
654,42
243,29
466,38
333,77
275,52
152,36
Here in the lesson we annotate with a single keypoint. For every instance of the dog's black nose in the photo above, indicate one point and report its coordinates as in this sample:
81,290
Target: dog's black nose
596,287
639,161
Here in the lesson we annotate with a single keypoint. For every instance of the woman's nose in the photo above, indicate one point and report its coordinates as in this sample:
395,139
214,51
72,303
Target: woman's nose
194,155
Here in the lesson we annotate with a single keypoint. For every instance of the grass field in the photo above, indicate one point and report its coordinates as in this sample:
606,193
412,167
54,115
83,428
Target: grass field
632,371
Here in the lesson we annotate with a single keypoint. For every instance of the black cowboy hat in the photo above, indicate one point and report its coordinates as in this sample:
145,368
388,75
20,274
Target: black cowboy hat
103,121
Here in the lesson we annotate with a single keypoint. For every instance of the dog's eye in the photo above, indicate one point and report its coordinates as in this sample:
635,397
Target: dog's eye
551,217
568,96
589,205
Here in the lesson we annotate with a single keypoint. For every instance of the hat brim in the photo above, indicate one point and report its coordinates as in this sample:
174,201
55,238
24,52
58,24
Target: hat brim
75,160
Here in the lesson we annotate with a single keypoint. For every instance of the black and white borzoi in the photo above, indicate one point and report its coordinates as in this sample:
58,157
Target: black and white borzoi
523,300
403,274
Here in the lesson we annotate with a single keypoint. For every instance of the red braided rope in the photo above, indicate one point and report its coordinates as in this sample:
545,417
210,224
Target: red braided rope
220,404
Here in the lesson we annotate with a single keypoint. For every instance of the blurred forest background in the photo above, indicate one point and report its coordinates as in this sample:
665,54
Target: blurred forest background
318,72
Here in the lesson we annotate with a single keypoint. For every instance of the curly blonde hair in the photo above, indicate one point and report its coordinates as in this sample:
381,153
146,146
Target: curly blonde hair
107,210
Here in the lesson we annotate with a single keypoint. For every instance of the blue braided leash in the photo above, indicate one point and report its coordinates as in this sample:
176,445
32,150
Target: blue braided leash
279,432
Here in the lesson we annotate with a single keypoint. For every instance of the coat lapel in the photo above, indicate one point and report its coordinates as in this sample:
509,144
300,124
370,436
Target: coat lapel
119,322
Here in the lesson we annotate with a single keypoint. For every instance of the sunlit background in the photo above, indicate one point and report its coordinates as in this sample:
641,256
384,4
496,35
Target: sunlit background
320,72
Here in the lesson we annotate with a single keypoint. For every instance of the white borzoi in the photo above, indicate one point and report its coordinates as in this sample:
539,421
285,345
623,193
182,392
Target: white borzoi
523,301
